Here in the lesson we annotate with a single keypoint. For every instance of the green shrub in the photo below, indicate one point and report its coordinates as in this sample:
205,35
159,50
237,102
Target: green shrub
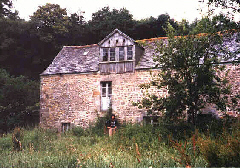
5,143
78,131
19,97
222,151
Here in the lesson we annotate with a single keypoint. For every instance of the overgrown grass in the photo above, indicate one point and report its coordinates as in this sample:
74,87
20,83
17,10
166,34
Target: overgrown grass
131,146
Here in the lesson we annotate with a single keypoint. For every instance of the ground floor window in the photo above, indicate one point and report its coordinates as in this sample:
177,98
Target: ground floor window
153,120
106,96
65,127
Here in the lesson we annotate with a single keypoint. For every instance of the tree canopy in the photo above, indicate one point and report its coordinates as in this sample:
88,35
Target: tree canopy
5,6
190,71
232,5
19,99
105,21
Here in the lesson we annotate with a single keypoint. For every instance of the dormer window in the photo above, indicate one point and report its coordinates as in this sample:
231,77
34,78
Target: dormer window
121,53
117,53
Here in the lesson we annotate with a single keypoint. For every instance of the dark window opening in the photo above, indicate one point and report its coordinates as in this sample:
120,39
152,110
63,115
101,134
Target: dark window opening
129,53
105,54
65,127
112,54
153,120
104,92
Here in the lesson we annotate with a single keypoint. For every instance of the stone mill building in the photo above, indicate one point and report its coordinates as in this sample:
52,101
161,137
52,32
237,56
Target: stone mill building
84,82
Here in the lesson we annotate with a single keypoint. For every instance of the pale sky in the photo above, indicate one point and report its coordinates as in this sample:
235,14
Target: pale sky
140,9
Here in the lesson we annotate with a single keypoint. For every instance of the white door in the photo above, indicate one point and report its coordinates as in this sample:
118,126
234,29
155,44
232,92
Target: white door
106,94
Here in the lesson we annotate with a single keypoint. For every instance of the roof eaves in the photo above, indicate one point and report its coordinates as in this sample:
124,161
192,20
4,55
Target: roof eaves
152,39
85,72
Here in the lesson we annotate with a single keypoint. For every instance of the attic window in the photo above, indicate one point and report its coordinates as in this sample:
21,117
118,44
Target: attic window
129,53
121,53
105,54
112,54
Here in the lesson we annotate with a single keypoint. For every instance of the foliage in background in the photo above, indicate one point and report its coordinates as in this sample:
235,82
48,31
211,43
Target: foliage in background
105,20
19,99
233,6
5,8
35,43
217,23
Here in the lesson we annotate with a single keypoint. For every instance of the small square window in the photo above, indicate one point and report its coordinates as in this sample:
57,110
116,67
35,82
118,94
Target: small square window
121,53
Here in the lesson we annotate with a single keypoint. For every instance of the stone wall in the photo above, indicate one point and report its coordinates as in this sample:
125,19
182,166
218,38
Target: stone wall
234,78
76,98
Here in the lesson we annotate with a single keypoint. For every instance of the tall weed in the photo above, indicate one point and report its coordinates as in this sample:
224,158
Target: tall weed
222,151
133,145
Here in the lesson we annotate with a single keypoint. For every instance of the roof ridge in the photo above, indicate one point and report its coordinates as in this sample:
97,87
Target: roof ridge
152,39
84,46
199,34
142,40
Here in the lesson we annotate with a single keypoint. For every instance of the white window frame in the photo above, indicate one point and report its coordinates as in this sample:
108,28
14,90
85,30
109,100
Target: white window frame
107,95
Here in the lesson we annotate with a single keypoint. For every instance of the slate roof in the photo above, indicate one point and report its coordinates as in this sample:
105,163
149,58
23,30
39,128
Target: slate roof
85,59
75,59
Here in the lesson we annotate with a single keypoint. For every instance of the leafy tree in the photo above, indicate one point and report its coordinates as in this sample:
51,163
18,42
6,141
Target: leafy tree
162,22
77,31
14,45
6,10
5,6
183,27
105,21
233,5
18,101
152,27
51,19
216,24
142,28
189,67
49,31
